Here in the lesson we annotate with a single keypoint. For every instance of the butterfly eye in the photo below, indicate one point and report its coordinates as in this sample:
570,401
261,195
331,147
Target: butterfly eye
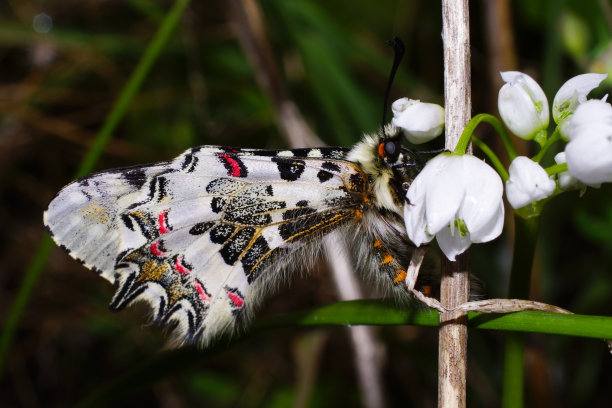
391,150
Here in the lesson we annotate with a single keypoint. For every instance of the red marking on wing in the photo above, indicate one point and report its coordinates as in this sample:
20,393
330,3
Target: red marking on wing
233,163
155,250
162,220
236,299
201,291
180,268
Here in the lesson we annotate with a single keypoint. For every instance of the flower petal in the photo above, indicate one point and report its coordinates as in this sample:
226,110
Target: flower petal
591,117
566,180
492,228
445,194
589,151
589,159
414,210
574,92
482,197
451,243
416,223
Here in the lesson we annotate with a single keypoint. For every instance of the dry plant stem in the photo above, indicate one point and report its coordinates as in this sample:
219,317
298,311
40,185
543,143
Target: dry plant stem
454,290
482,306
452,347
411,276
418,254
248,25
509,306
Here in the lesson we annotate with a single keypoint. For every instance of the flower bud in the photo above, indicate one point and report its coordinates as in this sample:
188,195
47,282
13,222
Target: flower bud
528,182
419,121
570,95
522,105
589,151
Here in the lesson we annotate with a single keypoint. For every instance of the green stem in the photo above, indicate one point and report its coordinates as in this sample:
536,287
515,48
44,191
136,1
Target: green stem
525,239
556,169
555,137
493,157
129,90
497,126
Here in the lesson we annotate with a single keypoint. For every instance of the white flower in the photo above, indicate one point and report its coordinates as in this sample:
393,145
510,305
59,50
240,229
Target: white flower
528,182
420,122
566,180
522,105
570,95
458,200
589,151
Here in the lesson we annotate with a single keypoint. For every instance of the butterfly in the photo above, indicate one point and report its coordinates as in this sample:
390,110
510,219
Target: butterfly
203,238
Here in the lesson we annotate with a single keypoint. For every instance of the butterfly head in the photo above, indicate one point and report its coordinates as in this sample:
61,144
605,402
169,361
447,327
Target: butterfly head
389,165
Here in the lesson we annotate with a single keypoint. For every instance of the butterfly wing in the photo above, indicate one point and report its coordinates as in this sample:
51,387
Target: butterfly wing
203,237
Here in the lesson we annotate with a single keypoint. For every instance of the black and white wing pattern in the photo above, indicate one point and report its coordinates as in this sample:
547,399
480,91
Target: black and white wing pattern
203,237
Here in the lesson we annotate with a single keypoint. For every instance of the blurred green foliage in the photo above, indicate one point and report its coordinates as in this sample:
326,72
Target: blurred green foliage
57,89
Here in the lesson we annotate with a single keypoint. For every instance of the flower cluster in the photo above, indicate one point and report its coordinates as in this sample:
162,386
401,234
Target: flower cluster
587,124
457,198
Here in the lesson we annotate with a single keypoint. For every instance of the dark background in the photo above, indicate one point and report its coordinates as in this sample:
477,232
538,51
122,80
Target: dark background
57,88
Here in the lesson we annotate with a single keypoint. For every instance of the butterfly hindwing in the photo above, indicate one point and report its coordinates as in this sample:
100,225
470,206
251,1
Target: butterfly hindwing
82,218
204,236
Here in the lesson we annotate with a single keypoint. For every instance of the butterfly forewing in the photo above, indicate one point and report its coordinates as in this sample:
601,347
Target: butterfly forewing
203,236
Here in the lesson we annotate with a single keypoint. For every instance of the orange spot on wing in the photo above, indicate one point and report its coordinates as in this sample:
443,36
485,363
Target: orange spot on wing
378,243
388,259
400,276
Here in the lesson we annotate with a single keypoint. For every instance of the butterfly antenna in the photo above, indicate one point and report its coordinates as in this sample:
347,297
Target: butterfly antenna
398,48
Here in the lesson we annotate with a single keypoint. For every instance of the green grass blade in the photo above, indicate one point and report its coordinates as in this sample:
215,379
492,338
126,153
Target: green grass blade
118,111
386,312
